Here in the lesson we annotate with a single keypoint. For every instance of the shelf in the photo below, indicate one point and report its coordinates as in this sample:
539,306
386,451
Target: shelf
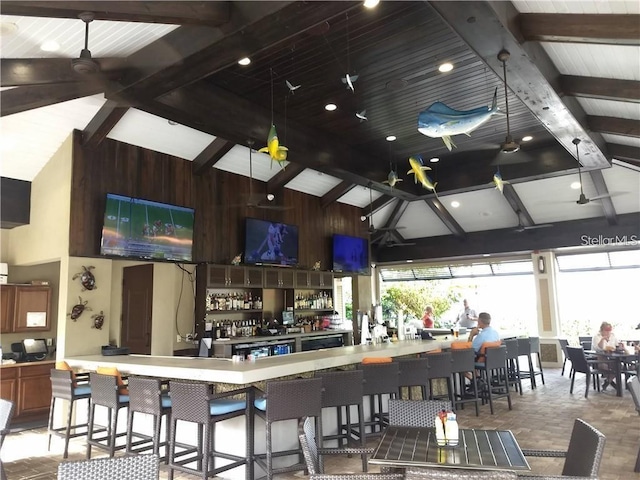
228,312
307,310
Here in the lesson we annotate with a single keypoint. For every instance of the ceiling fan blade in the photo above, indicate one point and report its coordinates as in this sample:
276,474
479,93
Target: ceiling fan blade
541,225
514,158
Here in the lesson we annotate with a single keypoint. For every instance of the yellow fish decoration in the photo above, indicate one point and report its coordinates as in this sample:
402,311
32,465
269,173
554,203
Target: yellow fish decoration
499,182
417,169
276,151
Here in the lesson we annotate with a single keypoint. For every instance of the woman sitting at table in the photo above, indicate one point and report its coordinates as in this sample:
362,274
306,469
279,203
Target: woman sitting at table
605,342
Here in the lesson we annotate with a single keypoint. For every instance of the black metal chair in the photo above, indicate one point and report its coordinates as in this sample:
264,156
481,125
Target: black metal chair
534,351
633,384
494,372
105,392
463,361
6,414
583,456
137,467
380,383
440,368
65,387
564,343
413,373
513,366
580,364
585,342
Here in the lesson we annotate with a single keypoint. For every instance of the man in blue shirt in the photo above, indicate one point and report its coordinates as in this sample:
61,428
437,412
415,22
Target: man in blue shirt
484,332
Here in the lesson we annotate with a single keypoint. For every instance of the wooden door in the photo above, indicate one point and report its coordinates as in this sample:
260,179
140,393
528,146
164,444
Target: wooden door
137,301
32,309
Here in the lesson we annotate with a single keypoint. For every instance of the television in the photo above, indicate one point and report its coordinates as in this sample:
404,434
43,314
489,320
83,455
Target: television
350,254
270,243
138,228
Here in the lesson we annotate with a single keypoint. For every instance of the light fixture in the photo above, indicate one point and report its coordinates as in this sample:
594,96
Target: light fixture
244,61
486,255
541,265
434,160
391,138
171,122
445,67
270,197
409,261
455,204
330,107
363,218
8,28
371,3
527,138
575,185
50,46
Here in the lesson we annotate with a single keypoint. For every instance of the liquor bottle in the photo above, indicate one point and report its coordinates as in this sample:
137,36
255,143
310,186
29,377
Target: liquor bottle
234,330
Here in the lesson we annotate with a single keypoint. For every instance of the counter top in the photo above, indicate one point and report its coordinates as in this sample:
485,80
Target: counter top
284,336
224,370
27,364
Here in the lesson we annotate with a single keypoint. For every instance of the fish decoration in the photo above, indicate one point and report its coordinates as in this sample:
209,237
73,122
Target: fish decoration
362,115
292,88
392,179
498,181
417,169
276,151
441,121
349,80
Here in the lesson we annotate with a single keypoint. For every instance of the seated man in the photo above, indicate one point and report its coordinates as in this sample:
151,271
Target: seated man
484,332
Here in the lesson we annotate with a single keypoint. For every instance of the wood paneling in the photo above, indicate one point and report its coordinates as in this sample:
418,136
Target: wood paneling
218,199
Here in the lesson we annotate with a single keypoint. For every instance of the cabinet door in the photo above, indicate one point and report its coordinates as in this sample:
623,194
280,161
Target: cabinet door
302,278
7,296
32,309
315,279
253,277
287,278
9,384
217,276
235,276
34,393
271,279
327,280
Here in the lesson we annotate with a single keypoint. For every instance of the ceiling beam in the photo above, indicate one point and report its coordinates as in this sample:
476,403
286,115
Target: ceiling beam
601,189
335,193
20,99
377,205
445,217
510,195
601,88
624,152
531,75
613,125
284,176
173,13
15,72
396,214
562,234
618,29
210,155
102,123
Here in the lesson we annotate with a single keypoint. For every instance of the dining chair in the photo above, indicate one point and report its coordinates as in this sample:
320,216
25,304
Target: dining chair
422,473
633,384
580,364
6,414
136,467
307,438
564,343
582,457
585,341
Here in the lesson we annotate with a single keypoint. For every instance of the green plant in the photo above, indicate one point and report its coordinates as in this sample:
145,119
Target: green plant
413,297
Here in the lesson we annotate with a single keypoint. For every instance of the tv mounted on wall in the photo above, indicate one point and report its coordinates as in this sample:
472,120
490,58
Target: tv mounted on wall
270,243
137,228
350,254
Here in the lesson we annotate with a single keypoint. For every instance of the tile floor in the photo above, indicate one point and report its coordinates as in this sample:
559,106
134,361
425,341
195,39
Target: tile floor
541,418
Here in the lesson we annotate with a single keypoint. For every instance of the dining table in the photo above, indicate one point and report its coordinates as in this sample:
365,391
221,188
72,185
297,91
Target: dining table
477,449
620,360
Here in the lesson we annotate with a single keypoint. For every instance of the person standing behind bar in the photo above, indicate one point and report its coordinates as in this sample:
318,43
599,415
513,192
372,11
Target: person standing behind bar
428,317
467,317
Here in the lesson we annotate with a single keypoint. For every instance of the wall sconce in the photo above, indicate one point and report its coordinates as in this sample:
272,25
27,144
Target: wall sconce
541,264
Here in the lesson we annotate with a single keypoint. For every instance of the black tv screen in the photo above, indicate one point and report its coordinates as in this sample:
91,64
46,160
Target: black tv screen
350,254
139,228
35,346
272,243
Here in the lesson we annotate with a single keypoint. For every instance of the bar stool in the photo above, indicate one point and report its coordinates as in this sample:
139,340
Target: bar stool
413,373
65,386
463,361
195,403
439,368
147,396
513,366
380,381
105,392
341,390
287,400
534,349
494,370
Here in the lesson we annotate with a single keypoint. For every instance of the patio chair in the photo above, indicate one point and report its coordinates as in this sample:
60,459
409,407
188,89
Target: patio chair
633,384
583,456
137,467
580,364
419,473
564,343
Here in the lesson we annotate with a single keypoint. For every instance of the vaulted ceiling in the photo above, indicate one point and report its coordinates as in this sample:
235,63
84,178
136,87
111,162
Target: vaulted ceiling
573,72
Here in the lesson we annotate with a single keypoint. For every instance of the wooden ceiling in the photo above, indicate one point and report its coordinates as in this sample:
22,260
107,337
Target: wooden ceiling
191,76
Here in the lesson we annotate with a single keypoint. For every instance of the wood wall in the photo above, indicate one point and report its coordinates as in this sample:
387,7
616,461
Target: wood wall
217,197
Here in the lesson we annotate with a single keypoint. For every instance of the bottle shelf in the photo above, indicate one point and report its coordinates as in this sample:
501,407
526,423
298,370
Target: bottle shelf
229,312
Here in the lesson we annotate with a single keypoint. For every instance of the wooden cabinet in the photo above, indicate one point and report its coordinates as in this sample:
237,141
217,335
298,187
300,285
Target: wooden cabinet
279,278
234,276
25,308
313,279
28,385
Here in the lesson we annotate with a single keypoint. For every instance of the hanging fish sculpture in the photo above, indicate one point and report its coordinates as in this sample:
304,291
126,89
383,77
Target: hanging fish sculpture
292,88
418,170
392,179
98,320
77,309
498,181
349,80
441,121
276,151
87,280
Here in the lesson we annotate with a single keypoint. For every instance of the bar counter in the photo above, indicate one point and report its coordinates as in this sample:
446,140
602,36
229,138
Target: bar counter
223,370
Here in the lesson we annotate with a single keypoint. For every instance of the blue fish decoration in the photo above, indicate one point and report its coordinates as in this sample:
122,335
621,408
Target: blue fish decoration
441,121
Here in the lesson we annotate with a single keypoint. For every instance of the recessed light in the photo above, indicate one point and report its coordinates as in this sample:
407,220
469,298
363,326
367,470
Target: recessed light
455,204
363,218
527,138
371,3
445,67
486,255
8,28
330,107
50,46
244,61
575,185
270,197
409,261
434,160
391,138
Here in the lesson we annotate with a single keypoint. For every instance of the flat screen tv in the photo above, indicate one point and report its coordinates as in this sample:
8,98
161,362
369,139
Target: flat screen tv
350,254
270,243
138,228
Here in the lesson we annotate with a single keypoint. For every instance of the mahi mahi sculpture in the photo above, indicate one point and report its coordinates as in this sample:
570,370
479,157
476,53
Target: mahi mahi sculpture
276,151
418,170
441,121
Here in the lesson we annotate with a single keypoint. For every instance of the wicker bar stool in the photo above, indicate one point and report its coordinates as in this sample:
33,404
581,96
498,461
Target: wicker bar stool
494,370
147,396
287,400
65,386
513,366
463,361
341,390
380,382
105,392
413,373
440,368
195,403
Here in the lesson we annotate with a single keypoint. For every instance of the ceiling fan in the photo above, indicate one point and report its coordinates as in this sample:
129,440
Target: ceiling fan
372,229
523,228
84,64
582,199
388,242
